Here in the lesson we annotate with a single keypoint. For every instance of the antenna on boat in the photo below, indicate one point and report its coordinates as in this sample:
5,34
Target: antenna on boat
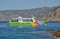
33,16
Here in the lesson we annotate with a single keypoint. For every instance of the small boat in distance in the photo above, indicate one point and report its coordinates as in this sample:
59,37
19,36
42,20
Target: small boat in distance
25,22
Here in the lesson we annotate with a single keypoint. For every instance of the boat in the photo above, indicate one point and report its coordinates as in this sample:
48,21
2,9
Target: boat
25,22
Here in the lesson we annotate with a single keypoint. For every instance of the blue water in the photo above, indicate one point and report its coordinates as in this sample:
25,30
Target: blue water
39,32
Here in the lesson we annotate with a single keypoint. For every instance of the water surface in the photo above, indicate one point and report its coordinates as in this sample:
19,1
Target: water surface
7,32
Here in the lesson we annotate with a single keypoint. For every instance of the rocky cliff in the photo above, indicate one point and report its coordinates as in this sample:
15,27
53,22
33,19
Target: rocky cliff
53,15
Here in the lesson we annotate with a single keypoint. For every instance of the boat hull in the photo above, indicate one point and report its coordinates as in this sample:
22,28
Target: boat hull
24,24
27,24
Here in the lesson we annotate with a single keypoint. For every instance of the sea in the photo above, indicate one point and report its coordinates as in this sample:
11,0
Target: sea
39,32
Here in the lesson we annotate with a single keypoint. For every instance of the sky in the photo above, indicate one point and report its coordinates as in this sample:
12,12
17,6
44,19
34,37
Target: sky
26,4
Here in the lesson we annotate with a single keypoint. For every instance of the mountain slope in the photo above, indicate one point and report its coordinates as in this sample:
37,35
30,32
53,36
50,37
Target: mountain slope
45,13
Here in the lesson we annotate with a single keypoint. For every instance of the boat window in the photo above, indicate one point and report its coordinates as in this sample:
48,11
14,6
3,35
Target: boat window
31,20
27,20
14,20
35,18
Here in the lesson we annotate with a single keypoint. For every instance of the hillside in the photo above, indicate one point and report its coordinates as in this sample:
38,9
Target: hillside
42,13
8,14
53,15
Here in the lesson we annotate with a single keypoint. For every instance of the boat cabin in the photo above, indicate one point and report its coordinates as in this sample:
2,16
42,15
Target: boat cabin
20,19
